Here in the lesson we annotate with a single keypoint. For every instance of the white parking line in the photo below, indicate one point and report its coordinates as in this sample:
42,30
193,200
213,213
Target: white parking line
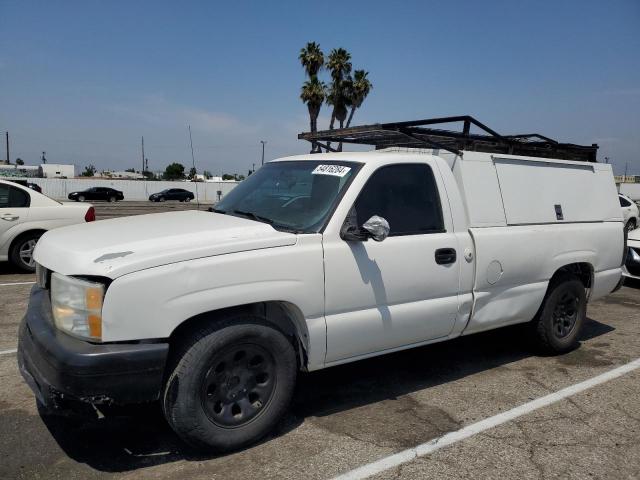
450,438
7,352
16,283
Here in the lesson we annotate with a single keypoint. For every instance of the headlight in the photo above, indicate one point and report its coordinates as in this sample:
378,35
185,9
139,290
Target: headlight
77,306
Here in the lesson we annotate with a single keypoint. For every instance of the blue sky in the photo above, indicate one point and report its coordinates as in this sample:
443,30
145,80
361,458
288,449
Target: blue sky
85,80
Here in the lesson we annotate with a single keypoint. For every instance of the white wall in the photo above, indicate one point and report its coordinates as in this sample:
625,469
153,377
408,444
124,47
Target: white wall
59,188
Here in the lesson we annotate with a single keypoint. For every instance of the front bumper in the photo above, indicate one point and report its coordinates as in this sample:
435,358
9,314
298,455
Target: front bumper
58,367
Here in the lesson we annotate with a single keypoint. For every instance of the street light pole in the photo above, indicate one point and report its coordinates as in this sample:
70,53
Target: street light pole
263,142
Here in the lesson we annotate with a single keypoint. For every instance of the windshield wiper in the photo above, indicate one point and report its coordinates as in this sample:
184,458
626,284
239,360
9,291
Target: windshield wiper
253,216
215,210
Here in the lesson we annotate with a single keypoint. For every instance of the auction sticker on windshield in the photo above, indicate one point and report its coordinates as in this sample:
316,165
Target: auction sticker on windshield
335,170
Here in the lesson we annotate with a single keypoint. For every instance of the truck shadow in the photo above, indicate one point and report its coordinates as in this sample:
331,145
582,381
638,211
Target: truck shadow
139,437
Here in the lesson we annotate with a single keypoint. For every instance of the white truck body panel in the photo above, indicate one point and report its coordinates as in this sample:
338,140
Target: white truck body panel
351,300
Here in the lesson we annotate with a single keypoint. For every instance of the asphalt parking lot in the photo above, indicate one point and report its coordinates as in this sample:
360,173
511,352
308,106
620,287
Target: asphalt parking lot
346,417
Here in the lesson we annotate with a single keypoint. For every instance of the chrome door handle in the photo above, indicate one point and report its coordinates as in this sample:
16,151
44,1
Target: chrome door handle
9,217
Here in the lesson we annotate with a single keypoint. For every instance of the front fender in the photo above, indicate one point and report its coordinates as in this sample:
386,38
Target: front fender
152,303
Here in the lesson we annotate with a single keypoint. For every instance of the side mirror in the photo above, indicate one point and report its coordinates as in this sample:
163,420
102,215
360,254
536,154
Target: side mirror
377,227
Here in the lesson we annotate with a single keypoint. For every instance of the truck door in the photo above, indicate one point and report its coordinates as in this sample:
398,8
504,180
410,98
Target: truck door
403,290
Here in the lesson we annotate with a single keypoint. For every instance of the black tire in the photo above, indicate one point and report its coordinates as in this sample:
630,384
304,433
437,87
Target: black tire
162,199
80,198
188,199
218,398
112,199
21,253
631,225
559,322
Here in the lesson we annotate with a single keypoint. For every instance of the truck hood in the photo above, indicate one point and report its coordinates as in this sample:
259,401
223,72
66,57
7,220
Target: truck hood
112,248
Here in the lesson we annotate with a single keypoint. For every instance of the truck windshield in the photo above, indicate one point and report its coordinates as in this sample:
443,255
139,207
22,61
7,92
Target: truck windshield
293,196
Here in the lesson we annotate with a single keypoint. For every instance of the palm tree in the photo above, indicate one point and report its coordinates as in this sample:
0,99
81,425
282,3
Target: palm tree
360,88
313,94
311,58
339,64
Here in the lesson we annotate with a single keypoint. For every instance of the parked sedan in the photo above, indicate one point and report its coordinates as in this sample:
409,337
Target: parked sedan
629,212
35,186
24,183
97,193
25,215
172,194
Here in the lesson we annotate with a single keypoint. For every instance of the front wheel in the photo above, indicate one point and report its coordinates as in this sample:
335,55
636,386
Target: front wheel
81,198
230,384
22,251
162,199
112,199
187,199
559,322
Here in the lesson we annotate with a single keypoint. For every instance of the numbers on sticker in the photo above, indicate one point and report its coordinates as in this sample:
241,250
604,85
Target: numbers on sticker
336,170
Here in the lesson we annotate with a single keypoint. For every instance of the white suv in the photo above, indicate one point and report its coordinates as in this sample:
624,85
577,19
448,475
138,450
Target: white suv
629,212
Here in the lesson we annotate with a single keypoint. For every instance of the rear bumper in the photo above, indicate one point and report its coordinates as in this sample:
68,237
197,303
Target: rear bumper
58,367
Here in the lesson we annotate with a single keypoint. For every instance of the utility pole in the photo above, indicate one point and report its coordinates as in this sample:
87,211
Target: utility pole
626,167
263,142
142,154
8,158
44,160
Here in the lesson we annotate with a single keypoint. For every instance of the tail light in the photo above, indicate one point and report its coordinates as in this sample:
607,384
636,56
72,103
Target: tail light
90,216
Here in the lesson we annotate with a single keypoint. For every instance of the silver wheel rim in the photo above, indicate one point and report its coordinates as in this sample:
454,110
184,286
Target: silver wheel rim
81,198
26,253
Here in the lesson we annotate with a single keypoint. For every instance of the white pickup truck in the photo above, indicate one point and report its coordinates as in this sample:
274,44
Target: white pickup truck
314,261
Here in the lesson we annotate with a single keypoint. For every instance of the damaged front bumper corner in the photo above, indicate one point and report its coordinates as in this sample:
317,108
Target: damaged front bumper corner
59,367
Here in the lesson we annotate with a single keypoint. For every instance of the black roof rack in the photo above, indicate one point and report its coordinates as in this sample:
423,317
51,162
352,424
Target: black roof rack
419,134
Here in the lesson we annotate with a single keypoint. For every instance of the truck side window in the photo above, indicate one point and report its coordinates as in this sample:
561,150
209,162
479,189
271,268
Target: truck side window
624,202
406,196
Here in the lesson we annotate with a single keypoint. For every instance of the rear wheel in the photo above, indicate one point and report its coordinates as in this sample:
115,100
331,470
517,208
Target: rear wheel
230,384
559,322
22,251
